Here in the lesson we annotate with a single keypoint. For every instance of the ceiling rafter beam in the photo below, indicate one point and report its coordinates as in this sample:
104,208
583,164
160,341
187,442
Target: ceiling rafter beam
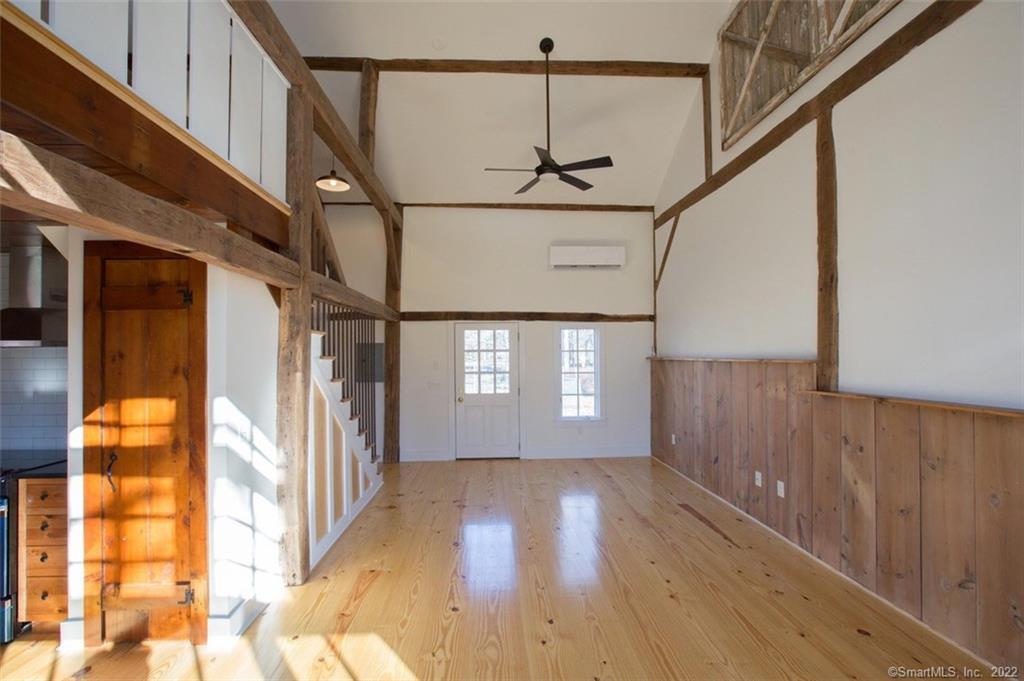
642,69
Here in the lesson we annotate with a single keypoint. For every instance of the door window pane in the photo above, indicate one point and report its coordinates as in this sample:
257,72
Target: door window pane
486,384
586,384
502,385
568,339
501,339
486,339
486,361
469,339
501,361
587,405
568,361
472,383
586,339
570,385
586,361
472,361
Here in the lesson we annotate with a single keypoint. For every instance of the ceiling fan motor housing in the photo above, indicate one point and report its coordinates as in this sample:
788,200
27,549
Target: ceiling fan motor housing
547,45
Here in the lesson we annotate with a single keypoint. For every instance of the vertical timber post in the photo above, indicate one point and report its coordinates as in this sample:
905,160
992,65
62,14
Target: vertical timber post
293,350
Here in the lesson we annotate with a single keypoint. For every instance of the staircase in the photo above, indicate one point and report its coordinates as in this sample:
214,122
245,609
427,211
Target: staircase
344,471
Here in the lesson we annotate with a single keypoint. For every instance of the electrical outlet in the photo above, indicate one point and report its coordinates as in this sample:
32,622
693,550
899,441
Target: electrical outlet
780,489
673,438
757,478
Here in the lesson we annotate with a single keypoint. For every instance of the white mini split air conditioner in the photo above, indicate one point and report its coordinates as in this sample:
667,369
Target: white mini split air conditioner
584,256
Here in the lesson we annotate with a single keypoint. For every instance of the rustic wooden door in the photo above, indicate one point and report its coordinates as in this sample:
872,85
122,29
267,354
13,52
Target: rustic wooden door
145,384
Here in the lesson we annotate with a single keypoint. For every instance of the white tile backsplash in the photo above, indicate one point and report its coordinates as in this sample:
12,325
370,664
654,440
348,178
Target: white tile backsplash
33,398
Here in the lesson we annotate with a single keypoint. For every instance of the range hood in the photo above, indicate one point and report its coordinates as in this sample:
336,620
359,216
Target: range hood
35,313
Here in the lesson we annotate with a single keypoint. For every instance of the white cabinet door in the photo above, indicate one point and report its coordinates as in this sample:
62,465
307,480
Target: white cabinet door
486,391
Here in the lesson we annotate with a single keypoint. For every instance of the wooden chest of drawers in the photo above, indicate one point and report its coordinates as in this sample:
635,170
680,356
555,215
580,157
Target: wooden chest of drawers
42,549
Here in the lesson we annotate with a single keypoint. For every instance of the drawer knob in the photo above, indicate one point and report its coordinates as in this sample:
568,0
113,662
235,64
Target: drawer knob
44,595
43,557
44,496
44,526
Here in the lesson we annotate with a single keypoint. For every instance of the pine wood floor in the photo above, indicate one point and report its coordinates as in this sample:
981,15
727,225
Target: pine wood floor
596,569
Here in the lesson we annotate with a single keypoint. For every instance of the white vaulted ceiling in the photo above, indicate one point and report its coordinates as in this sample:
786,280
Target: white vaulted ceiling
437,131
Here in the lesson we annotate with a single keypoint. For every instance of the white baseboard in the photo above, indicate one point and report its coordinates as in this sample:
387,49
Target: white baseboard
427,455
586,452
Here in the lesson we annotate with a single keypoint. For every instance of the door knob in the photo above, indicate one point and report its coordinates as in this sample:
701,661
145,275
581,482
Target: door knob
461,399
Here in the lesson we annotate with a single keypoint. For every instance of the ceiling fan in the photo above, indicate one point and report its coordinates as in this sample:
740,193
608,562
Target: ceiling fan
549,170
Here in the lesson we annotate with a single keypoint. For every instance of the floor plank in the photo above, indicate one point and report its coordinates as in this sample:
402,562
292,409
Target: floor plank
585,569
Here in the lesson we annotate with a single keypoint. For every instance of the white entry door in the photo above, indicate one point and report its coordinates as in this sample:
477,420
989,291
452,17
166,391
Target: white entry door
486,391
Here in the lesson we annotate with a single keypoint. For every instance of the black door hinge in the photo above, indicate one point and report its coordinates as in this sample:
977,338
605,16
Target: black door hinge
190,597
186,297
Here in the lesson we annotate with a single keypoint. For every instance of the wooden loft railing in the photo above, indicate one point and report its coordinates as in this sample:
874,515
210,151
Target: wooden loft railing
64,90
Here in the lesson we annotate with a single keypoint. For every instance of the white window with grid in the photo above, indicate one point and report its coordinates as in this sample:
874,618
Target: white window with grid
579,352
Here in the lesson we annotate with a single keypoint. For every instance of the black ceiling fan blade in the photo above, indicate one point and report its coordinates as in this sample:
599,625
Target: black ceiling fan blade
545,157
528,186
600,162
574,181
510,170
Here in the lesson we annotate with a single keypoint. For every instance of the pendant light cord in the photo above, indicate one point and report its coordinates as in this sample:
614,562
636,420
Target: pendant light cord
547,95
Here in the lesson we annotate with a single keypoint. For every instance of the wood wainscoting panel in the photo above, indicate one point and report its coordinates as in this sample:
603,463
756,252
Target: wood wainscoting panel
999,511
740,440
800,379
898,490
776,447
948,588
756,442
857,444
920,502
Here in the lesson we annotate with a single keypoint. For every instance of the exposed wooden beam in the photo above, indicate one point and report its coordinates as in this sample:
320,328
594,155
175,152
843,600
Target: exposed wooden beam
265,27
664,256
321,225
828,267
705,93
574,207
772,51
333,292
646,69
293,350
471,316
368,109
44,78
918,30
394,269
393,365
773,11
40,182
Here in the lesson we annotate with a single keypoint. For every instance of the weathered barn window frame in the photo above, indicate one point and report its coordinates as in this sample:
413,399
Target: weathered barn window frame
769,48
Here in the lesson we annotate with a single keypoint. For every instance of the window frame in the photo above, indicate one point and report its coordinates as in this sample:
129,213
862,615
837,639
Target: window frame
599,414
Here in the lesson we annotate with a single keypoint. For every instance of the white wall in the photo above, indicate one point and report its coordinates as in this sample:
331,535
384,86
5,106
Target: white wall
359,237
931,225
242,329
741,279
486,260
931,295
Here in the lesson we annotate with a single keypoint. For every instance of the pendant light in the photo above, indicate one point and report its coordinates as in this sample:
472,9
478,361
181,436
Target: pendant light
332,182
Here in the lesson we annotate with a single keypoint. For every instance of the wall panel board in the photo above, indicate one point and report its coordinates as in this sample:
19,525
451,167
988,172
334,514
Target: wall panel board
949,597
160,56
740,439
857,444
898,489
999,504
800,379
776,446
826,479
756,398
